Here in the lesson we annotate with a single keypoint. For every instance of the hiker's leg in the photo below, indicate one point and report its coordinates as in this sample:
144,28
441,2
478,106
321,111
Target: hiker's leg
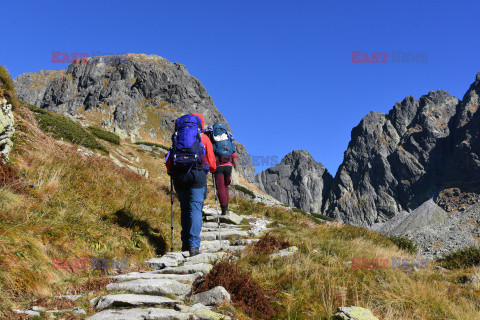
196,205
220,181
227,173
183,183
184,199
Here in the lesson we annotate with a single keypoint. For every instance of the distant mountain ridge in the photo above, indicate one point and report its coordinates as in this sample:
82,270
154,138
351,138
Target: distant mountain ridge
137,96
397,161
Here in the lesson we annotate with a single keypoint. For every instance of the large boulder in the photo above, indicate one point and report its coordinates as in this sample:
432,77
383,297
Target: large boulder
7,129
212,297
353,313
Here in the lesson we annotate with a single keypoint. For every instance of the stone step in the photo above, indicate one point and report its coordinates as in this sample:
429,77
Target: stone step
243,242
202,312
202,268
134,300
214,225
160,287
209,236
171,259
232,218
142,314
213,245
215,229
205,258
183,278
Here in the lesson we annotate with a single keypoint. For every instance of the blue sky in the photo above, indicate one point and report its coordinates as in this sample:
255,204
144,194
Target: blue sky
280,71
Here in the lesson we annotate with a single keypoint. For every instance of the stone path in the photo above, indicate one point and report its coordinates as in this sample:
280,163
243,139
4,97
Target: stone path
161,293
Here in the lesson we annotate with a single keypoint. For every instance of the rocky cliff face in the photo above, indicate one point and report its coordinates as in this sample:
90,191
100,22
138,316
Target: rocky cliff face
394,162
6,128
136,96
397,161
298,180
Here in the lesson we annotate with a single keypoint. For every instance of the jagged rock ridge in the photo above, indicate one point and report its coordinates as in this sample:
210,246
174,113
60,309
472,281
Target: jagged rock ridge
397,161
394,162
298,180
136,96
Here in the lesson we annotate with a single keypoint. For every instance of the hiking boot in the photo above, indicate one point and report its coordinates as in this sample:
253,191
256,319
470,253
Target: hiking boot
194,251
185,247
224,210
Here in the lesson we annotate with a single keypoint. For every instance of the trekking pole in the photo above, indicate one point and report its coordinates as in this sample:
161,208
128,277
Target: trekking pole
171,210
235,188
218,212
236,195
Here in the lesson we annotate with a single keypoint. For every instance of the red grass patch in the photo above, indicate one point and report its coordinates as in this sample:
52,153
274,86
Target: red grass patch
269,244
93,284
9,178
246,294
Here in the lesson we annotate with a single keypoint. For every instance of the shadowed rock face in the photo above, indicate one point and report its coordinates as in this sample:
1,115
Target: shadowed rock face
136,96
397,161
298,180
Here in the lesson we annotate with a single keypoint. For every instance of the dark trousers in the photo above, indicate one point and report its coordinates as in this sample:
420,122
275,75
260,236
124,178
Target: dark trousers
223,178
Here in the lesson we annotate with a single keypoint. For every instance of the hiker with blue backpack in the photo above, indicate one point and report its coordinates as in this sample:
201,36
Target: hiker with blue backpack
188,161
225,156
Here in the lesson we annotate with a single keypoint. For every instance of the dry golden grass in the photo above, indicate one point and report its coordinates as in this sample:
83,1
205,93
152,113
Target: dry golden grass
79,206
319,278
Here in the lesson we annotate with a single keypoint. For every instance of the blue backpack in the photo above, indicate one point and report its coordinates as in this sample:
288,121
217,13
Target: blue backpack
187,150
222,142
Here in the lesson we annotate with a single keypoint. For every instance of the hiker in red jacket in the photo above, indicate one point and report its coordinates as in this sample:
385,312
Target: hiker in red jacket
191,186
225,155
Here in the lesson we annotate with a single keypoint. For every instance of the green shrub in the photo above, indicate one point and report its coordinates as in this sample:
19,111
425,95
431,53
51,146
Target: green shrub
35,109
322,216
62,127
245,190
300,211
105,135
404,244
462,258
153,144
313,216
308,215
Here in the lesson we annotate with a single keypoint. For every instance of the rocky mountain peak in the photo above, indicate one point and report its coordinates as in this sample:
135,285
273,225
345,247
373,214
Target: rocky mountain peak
298,180
137,96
